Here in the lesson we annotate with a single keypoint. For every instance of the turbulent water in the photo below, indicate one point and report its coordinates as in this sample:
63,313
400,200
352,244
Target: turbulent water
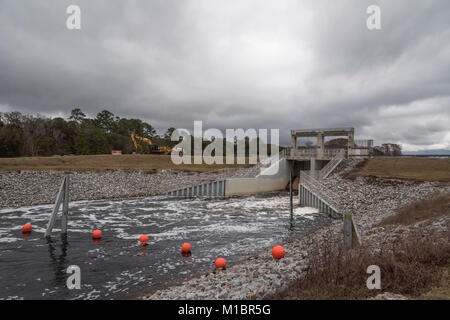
32,267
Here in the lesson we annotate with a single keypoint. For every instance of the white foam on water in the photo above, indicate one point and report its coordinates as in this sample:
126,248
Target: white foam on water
8,239
306,212
246,225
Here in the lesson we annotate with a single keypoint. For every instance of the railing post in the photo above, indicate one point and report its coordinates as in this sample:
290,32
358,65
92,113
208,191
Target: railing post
351,234
347,232
65,214
59,200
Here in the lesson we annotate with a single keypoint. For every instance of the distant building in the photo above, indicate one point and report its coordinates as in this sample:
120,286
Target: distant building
388,149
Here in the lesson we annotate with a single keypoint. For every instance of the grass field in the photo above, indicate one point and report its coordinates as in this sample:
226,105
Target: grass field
104,162
419,169
421,210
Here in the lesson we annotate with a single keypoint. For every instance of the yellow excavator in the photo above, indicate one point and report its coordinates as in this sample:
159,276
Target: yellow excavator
153,148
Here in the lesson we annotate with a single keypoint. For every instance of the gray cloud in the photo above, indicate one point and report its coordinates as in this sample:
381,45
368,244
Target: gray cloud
262,64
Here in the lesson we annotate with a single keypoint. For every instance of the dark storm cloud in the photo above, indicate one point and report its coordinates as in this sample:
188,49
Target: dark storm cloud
262,64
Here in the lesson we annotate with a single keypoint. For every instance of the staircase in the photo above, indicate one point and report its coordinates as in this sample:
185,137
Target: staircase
328,169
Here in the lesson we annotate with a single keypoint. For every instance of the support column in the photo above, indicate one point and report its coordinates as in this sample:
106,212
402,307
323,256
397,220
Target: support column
320,145
293,144
300,190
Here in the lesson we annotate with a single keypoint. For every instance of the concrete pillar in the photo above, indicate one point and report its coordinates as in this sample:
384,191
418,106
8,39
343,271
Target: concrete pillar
299,194
293,144
320,145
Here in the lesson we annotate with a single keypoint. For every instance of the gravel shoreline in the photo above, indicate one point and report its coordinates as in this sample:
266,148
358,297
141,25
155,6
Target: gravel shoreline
27,188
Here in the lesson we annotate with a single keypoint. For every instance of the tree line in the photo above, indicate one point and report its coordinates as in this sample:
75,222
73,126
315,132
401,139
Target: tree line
28,135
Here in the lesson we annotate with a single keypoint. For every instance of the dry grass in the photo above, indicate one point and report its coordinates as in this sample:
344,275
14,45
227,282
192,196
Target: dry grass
421,210
440,292
418,169
412,266
104,162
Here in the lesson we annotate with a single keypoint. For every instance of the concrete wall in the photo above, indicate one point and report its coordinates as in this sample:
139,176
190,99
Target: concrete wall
274,178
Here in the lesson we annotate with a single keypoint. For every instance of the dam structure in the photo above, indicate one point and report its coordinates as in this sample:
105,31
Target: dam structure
308,161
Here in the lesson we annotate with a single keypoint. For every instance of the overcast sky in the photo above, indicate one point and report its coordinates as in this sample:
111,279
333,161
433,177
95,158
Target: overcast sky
243,63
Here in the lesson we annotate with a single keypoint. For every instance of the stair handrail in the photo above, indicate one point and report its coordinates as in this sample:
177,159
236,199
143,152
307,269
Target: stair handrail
321,190
326,170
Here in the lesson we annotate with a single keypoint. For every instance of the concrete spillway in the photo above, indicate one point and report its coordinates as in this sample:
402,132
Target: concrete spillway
273,178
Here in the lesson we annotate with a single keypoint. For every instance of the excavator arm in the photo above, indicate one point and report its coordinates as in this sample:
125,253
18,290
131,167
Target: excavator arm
133,138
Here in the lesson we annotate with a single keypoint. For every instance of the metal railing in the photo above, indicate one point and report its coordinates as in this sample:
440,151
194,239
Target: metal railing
61,198
308,153
328,196
333,152
363,143
315,153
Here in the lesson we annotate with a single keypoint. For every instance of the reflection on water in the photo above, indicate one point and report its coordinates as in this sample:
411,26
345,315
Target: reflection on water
117,266
57,260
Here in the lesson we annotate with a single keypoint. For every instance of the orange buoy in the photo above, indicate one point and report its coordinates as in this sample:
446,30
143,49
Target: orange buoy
97,234
186,247
143,238
220,263
26,227
278,252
